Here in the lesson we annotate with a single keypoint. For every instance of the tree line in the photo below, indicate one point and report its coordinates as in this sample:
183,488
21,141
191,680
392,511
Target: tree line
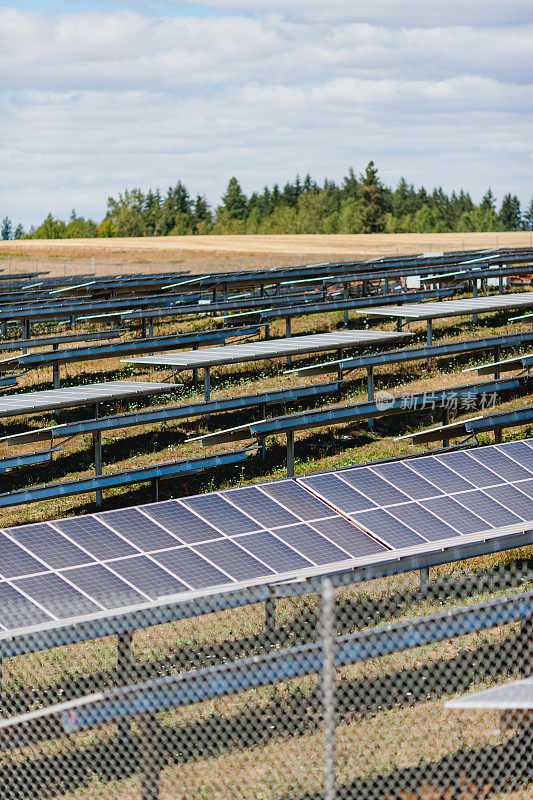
357,204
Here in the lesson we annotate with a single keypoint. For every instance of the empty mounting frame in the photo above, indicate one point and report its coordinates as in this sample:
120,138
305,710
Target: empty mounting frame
272,348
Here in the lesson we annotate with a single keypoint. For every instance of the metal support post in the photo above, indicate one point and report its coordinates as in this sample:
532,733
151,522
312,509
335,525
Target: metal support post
207,385
290,454
445,421
267,331
387,289
474,294
496,354
498,435
327,619
399,324
500,284
526,647
149,741
143,327
270,614
155,486
288,333
97,444
370,391
56,370
195,370
429,340
345,297
124,676
151,328
424,581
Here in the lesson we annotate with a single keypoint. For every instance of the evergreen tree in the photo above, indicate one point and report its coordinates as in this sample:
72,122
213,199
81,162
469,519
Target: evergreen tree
7,228
372,201
510,215
350,185
19,232
488,203
234,202
528,215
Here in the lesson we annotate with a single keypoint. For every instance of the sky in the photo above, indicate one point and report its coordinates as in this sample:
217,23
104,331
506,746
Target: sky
100,95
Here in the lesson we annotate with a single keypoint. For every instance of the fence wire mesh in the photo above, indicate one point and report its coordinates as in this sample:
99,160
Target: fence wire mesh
341,695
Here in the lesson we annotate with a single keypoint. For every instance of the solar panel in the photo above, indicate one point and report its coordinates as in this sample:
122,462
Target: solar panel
128,557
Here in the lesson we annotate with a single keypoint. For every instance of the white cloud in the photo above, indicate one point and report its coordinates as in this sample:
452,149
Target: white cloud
94,102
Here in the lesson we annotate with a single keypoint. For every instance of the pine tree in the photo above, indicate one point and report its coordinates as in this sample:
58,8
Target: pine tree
528,215
7,228
234,202
19,232
510,215
372,201
488,203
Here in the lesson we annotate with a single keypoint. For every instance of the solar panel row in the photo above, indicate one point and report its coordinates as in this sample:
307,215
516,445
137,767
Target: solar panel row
107,561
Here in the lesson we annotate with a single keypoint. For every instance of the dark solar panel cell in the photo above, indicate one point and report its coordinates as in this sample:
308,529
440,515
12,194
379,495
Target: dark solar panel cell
297,499
389,529
57,596
277,555
191,568
526,487
423,522
512,499
229,557
181,522
103,586
462,519
432,470
498,462
139,529
407,481
487,508
312,544
266,511
50,546
348,536
89,533
338,493
15,561
214,508
464,464
381,492
519,451
16,611
147,576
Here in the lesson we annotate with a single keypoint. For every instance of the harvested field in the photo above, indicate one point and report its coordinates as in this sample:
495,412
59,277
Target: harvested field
221,253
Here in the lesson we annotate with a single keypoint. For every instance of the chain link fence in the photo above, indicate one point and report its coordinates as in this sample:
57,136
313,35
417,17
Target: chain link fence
336,694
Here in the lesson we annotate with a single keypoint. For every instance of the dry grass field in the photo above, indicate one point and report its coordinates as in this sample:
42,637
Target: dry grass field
219,253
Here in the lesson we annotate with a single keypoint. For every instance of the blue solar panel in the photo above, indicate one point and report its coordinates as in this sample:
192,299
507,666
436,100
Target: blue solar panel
190,567
404,479
520,452
499,463
57,596
258,505
370,484
181,522
443,478
138,529
448,508
484,506
274,553
337,492
103,586
526,487
16,611
464,464
236,562
387,528
50,546
154,581
94,537
297,500
422,521
345,535
513,499
313,545
15,561
227,518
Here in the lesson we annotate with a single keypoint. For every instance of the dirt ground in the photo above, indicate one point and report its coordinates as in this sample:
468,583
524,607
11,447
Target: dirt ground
220,253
